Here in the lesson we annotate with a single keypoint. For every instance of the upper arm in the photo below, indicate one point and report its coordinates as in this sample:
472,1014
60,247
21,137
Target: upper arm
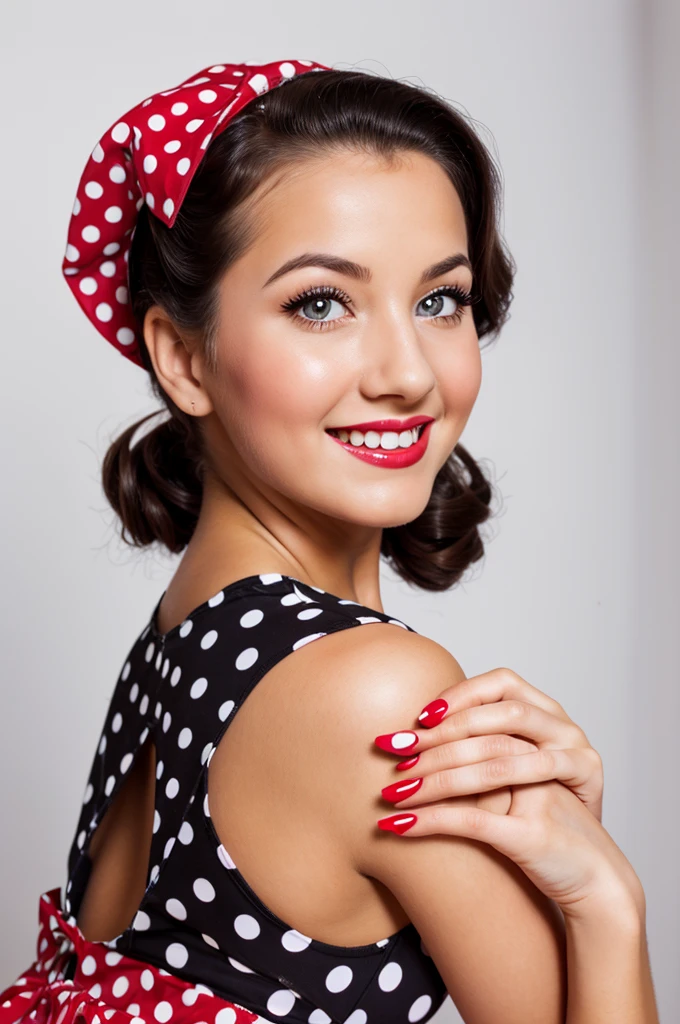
497,941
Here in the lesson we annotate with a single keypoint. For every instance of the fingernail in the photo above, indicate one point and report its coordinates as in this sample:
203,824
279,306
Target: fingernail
433,712
400,790
398,823
395,742
408,763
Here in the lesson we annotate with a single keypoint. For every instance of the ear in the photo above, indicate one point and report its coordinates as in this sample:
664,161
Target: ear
177,362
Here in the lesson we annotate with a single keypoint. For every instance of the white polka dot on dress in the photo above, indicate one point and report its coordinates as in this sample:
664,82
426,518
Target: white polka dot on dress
208,639
294,941
88,965
390,976
146,980
198,688
246,926
281,1002
177,955
339,978
246,659
419,1008
357,1017
204,890
225,710
163,1011
186,833
120,987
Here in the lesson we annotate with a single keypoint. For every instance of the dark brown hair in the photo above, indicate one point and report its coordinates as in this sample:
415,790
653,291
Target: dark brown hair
154,486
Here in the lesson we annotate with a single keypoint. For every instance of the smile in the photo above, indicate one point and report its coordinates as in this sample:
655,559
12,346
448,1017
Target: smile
388,448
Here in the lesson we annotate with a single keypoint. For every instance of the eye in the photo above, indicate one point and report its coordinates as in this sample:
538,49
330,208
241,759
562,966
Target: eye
457,296
316,302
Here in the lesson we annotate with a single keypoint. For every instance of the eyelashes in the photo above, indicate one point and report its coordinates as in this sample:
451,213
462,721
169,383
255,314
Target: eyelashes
462,297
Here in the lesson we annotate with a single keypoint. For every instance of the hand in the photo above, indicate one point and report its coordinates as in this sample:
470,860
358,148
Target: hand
550,823
497,708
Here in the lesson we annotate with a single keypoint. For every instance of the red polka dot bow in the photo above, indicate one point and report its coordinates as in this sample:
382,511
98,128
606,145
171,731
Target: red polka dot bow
106,987
149,156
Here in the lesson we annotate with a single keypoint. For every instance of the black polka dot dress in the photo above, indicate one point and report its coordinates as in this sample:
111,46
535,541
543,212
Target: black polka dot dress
199,919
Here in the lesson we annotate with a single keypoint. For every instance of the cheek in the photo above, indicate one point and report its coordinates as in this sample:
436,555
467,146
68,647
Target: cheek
280,382
460,376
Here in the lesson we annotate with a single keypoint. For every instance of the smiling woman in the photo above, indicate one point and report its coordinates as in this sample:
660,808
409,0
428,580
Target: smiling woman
308,305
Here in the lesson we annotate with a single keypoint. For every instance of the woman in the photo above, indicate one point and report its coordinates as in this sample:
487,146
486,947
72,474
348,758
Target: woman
305,273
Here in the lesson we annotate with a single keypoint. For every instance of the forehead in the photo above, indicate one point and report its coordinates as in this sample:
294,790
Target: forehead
353,198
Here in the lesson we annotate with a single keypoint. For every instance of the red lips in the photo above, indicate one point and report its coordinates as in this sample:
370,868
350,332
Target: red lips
412,421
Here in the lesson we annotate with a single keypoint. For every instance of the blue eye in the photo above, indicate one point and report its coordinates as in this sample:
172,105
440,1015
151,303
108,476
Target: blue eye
319,299
435,298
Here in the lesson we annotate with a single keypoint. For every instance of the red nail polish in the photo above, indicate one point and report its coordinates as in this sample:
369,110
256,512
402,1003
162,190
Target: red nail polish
398,823
408,763
433,713
396,742
400,790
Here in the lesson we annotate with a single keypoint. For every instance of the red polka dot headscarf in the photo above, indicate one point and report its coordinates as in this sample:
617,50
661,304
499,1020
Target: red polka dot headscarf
150,156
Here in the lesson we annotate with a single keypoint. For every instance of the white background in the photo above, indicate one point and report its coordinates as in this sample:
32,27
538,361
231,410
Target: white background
577,419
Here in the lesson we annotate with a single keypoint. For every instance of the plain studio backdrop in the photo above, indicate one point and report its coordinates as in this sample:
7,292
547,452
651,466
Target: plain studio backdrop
576,421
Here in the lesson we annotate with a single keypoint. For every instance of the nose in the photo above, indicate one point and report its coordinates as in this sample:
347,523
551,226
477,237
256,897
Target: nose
395,361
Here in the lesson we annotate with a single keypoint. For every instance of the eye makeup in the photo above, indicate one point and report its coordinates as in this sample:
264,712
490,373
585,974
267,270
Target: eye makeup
462,297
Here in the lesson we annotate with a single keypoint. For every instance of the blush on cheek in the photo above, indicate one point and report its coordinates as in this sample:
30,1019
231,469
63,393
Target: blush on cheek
466,378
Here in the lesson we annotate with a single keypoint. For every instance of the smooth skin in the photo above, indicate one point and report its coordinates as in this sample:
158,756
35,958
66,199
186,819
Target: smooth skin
300,817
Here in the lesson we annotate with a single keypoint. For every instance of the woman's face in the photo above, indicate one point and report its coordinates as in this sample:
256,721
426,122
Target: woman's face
368,346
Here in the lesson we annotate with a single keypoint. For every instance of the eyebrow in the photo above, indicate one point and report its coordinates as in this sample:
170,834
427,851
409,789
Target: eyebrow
359,273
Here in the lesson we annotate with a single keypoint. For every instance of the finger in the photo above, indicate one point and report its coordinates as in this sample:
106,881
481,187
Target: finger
516,717
510,716
566,766
465,751
495,685
506,833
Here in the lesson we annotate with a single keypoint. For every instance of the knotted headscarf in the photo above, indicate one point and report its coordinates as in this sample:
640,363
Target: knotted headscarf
150,155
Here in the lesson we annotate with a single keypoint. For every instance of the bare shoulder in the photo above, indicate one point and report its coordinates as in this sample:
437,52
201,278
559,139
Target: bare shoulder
496,940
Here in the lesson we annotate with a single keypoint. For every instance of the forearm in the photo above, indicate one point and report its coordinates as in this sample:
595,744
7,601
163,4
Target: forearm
609,976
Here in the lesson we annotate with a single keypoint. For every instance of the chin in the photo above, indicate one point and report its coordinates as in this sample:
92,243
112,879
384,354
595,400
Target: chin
381,515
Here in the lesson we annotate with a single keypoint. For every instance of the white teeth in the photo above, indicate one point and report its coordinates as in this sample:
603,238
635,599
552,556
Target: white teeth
388,439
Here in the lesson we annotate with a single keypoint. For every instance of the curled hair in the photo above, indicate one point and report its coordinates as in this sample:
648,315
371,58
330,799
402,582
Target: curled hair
155,485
